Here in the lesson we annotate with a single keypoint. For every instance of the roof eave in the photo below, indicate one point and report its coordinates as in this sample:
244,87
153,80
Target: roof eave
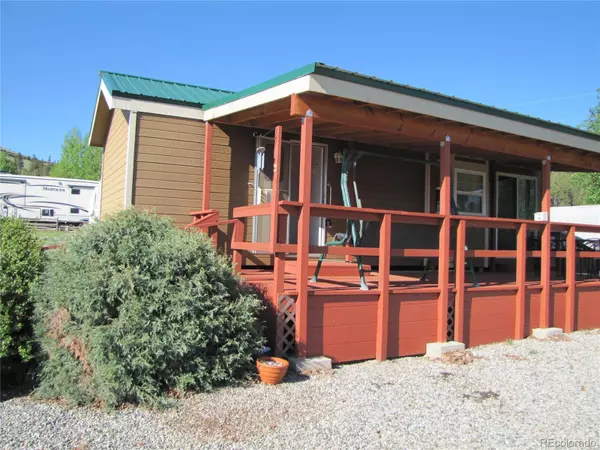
321,69
319,81
100,121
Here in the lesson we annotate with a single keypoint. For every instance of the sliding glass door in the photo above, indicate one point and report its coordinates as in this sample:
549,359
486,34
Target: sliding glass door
288,187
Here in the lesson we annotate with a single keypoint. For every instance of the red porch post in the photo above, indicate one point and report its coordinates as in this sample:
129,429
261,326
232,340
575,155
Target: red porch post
239,229
571,272
279,260
208,132
546,272
383,284
275,190
459,300
303,233
444,250
521,279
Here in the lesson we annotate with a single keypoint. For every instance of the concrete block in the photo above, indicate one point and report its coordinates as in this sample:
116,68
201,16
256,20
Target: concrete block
316,363
545,333
437,349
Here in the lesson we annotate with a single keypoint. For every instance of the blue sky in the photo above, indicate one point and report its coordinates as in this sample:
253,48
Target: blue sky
518,56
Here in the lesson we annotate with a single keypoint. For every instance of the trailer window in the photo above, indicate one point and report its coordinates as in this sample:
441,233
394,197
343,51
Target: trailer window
75,191
74,210
47,212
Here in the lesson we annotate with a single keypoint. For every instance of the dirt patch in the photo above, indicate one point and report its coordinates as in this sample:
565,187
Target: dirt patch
459,358
239,423
481,396
310,373
517,357
556,337
560,337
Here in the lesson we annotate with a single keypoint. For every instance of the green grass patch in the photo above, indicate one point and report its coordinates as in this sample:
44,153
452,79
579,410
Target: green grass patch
53,237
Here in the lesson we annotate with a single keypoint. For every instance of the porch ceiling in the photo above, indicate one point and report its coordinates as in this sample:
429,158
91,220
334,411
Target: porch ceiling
354,121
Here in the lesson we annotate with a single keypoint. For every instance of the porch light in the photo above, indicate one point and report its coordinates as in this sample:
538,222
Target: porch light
338,156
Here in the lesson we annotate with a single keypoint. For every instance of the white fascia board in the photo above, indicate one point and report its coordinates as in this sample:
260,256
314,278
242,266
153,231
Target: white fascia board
354,91
296,86
164,109
106,93
100,93
145,106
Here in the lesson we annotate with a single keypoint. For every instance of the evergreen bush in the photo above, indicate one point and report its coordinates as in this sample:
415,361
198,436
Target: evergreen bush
136,310
21,262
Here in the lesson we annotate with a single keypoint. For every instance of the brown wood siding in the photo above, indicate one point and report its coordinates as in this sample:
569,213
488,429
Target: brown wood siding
113,164
169,166
168,180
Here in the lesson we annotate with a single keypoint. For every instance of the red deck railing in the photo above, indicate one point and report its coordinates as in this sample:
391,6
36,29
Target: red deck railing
462,223
208,222
384,251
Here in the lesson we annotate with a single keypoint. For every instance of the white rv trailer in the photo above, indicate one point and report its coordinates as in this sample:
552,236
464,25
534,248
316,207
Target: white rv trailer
587,214
47,199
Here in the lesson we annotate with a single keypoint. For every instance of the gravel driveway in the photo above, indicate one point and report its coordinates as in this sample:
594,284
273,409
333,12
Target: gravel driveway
514,394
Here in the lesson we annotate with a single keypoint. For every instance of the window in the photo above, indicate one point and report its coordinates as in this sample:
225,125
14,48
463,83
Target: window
516,198
470,192
74,210
47,213
75,191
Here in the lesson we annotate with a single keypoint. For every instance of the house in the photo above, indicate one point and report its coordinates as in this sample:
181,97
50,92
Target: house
276,171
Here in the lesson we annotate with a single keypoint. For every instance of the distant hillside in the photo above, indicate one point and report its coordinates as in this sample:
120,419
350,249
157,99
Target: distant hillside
13,162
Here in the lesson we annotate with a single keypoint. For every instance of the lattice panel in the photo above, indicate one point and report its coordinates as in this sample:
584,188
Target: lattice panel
450,332
286,327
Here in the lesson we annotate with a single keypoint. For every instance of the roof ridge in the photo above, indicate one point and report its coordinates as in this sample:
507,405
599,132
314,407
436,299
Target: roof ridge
288,76
165,81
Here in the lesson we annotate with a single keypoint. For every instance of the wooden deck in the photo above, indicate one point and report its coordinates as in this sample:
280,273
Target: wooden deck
342,319
343,282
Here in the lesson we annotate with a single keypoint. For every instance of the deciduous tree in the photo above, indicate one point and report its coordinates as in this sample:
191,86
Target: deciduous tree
565,191
590,182
77,159
7,164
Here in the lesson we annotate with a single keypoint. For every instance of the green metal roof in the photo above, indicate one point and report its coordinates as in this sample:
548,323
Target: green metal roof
166,91
289,76
354,77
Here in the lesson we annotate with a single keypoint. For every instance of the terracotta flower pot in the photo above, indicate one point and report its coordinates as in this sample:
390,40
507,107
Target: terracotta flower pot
271,370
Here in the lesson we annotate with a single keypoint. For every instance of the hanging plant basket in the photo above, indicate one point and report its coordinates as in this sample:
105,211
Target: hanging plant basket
271,370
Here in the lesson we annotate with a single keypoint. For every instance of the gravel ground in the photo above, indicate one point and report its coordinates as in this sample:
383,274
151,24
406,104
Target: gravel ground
514,394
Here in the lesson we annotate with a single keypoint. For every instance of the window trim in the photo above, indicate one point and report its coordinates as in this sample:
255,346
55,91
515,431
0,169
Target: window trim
484,194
